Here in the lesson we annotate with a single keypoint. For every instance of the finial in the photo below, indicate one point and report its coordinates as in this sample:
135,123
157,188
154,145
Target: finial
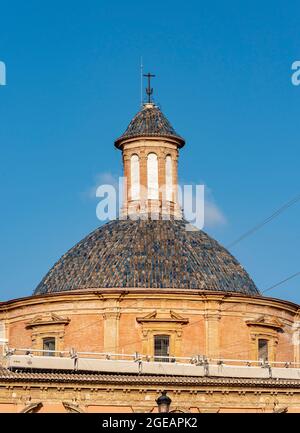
149,90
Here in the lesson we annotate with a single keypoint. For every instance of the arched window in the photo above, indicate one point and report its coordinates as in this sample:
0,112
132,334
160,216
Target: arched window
152,176
2,333
135,177
169,179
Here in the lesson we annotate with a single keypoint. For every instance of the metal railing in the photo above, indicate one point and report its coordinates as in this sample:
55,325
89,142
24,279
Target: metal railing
136,357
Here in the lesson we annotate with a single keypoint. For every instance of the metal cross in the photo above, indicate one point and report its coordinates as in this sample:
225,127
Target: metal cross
149,90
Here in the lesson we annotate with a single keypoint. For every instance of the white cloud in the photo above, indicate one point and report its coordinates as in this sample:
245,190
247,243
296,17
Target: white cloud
213,215
105,178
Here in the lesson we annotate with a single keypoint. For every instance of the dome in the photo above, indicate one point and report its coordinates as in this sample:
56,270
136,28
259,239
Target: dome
147,254
150,122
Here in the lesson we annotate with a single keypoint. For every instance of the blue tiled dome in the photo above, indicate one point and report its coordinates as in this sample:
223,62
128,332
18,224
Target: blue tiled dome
147,254
150,122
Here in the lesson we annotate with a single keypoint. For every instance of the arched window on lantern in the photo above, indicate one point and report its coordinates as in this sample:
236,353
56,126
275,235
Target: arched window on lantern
169,179
135,177
152,176
2,334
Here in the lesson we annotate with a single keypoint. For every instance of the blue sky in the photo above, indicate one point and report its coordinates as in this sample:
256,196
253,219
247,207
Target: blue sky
224,81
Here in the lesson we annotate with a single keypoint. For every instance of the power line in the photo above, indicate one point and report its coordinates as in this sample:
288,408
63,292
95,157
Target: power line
281,282
265,221
189,324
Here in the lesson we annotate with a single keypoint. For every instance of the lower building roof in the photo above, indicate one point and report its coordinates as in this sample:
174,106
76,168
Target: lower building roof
142,379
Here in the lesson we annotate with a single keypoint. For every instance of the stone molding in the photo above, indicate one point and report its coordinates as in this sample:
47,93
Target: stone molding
158,323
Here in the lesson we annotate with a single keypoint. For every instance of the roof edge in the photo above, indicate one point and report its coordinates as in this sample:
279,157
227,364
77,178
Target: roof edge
177,138
56,296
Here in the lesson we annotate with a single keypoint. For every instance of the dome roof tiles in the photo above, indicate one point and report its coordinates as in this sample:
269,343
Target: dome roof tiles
147,254
150,122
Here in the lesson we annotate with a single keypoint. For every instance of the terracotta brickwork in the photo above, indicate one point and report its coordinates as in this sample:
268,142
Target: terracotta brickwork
59,396
121,321
208,323
142,148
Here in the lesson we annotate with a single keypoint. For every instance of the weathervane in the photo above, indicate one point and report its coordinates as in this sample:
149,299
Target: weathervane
149,90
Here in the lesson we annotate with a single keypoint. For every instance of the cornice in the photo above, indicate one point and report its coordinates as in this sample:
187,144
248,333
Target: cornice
153,317
146,138
46,320
265,323
134,293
